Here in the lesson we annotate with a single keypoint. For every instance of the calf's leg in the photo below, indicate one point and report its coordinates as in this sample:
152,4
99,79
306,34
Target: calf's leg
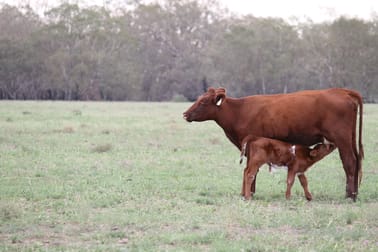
244,182
302,178
249,177
289,182
253,186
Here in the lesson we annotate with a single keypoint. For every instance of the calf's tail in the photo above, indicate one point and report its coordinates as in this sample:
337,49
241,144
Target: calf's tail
243,151
245,145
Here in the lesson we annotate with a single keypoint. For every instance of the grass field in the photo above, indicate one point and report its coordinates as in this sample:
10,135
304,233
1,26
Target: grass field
92,176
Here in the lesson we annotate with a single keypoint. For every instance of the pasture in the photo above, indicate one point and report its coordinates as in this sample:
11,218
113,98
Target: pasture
126,176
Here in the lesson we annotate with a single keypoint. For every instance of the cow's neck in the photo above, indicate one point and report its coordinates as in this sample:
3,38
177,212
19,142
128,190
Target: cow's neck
227,119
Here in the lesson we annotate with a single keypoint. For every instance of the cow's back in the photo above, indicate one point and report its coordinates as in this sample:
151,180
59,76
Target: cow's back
303,117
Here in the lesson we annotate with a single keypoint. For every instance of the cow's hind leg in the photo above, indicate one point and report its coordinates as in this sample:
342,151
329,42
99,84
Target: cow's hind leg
350,162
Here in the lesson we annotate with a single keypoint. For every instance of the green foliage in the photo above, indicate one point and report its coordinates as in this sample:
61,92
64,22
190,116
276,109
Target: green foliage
163,184
152,52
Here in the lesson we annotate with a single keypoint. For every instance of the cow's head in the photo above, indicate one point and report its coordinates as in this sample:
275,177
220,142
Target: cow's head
206,106
321,150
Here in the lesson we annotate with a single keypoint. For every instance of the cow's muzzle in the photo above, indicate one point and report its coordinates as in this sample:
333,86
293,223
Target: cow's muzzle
186,117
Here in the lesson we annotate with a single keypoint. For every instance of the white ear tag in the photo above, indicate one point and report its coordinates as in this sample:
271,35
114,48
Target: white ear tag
219,102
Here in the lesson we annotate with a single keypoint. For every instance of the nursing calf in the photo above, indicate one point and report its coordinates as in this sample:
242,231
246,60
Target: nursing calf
298,158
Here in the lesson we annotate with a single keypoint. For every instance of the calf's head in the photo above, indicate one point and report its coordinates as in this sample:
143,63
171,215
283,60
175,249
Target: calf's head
321,150
206,106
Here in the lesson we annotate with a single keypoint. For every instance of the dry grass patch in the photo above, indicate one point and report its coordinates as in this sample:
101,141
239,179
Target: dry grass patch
101,148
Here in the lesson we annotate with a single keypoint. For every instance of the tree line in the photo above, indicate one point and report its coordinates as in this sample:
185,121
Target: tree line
173,50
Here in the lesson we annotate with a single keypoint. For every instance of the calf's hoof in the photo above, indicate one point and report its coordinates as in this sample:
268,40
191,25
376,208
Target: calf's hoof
287,195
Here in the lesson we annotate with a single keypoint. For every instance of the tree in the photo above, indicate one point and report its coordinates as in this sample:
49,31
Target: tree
257,55
19,69
165,48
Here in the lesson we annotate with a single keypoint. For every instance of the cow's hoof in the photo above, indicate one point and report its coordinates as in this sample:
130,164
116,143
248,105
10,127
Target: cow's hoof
352,196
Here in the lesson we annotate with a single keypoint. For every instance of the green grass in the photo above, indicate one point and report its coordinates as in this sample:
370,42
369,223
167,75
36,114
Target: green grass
92,176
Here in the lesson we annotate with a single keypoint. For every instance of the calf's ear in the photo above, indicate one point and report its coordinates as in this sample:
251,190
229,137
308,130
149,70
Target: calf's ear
313,153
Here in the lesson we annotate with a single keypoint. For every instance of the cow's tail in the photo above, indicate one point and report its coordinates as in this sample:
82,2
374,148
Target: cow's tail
245,146
360,146
360,154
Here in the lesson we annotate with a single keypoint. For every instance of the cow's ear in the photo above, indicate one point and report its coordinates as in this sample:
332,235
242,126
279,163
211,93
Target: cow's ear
220,94
313,153
211,90
219,100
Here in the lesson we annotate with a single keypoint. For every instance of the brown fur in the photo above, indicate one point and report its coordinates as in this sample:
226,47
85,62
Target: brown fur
302,118
260,150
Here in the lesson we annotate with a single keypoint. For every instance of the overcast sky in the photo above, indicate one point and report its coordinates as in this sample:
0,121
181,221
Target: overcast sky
316,10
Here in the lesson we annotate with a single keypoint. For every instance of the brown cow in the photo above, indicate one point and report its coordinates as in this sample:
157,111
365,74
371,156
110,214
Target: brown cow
303,117
297,159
